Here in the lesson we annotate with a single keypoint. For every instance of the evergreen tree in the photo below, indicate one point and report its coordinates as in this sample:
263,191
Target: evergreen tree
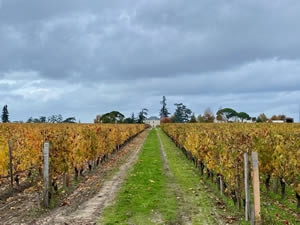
164,111
132,118
70,120
111,117
43,119
220,115
5,115
30,120
243,116
182,114
193,119
226,114
142,116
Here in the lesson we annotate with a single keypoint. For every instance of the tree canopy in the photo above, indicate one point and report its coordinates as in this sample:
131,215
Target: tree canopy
279,117
164,111
227,114
52,119
111,117
193,119
130,119
5,115
142,115
55,119
182,113
243,116
208,116
262,118
70,120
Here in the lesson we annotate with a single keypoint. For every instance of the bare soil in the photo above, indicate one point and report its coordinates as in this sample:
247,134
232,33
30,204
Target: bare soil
84,203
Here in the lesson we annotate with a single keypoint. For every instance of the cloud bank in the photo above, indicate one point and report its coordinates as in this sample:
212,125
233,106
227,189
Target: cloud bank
83,58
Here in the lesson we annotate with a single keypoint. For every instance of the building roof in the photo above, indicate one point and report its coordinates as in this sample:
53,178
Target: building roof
153,118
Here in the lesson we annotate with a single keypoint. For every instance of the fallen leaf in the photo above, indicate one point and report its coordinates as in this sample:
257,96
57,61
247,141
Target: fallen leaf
9,199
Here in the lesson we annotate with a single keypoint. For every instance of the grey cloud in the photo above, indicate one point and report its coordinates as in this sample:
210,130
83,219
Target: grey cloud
90,57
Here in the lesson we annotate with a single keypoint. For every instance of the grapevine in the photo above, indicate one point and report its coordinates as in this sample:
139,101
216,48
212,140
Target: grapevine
72,146
220,147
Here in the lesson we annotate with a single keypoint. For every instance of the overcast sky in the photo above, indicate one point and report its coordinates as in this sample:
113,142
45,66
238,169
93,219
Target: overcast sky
82,58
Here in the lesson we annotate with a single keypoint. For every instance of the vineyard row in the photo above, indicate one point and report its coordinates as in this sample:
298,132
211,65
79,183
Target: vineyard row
72,146
220,148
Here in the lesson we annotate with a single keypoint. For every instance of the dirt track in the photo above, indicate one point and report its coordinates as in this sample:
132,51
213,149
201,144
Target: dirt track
90,211
85,204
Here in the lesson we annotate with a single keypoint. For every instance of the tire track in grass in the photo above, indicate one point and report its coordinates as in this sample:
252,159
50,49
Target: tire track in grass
162,188
145,197
182,219
195,205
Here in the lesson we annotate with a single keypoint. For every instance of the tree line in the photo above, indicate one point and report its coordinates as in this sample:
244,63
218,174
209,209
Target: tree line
42,119
182,114
117,117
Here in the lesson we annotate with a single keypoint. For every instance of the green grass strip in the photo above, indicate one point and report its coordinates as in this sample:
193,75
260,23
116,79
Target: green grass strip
197,203
145,197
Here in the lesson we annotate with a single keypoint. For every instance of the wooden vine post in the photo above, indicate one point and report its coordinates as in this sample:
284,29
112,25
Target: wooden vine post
46,173
256,191
247,188
221,185
10,166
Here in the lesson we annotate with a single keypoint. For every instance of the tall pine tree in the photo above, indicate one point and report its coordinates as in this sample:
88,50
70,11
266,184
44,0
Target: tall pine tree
164,111
132,118
182,113
142,115
5,115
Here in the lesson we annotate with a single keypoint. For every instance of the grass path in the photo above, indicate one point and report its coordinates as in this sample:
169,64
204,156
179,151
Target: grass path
144,197
163,187
196,204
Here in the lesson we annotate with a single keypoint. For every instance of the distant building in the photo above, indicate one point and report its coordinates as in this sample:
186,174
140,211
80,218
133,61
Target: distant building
287,120
277,121
219,121
153,121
